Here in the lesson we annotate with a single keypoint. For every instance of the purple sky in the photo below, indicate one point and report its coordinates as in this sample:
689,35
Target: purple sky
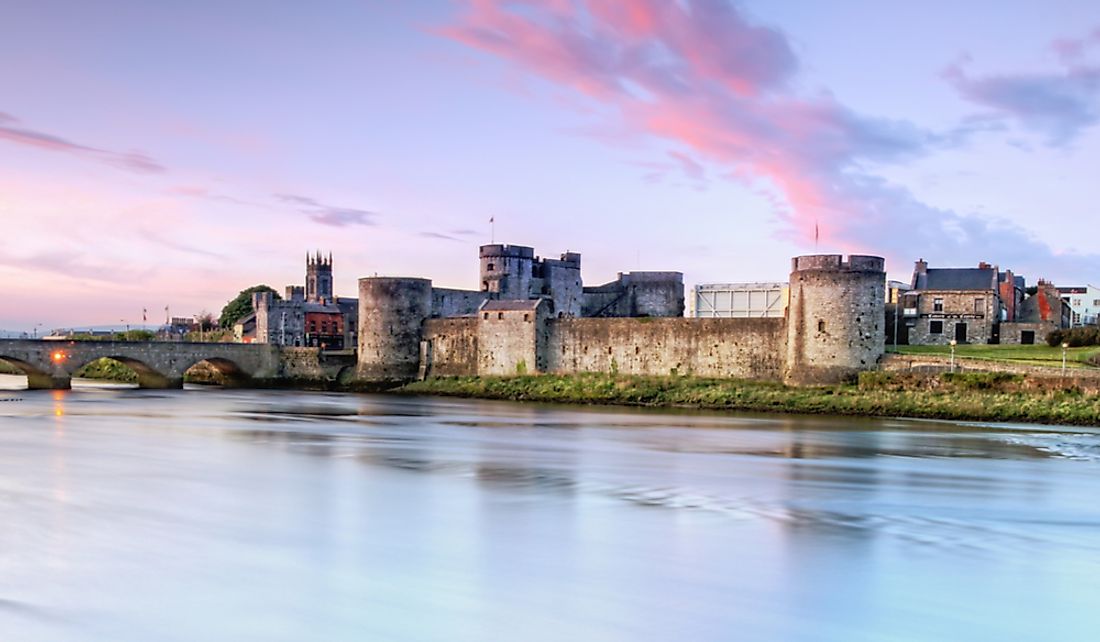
157,154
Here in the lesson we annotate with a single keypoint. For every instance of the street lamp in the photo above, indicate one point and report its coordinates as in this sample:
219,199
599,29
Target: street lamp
953,344
1065,346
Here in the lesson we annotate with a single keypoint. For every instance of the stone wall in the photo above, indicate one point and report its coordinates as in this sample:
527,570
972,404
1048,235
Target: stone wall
959,307
637,294
744,348
511,341
451,347
836,317
561,279
447,302
1012,333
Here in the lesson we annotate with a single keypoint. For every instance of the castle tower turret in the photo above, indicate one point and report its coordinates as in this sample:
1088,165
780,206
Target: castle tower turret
507,270
391,315
836,317
318,278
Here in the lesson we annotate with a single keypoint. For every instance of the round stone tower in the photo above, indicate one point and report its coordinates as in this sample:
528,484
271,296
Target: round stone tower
836,317
391,314
507,270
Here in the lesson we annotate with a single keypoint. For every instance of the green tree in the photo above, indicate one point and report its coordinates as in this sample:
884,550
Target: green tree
242,305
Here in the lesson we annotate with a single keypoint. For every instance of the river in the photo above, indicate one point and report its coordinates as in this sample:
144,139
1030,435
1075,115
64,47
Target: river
209,514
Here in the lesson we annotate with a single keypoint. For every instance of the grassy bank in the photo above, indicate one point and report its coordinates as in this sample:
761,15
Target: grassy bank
1036,355
978,397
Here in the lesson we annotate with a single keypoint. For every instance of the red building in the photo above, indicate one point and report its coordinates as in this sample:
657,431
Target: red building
325,328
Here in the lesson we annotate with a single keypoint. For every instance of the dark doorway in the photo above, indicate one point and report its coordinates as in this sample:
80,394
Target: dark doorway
1027,337
960,332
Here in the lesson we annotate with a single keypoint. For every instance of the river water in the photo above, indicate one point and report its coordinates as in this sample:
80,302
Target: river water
210,514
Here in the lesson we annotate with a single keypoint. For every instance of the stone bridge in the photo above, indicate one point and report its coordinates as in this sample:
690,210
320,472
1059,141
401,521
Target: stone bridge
51,364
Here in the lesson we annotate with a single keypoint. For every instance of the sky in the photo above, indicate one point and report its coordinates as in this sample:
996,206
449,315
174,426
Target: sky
171,154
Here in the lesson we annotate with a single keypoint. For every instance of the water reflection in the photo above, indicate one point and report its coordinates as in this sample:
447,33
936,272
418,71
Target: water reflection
287,516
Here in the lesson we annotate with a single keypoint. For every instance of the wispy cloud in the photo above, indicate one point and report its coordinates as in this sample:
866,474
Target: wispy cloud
194,191
328,214
184,248
1059,104
439,236
700,74
134,161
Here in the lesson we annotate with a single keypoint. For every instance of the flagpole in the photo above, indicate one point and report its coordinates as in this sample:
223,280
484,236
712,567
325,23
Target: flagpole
492,230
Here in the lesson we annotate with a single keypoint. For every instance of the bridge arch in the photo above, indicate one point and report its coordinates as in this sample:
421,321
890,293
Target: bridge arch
26,368
230,373
147,376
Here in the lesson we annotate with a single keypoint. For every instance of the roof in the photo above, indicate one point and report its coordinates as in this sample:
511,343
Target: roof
976,279
495,305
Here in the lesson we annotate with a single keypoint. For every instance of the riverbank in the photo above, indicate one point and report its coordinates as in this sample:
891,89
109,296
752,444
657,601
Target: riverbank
966,397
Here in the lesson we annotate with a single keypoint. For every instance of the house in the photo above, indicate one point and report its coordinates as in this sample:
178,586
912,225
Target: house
1040,314
1084,303
966,305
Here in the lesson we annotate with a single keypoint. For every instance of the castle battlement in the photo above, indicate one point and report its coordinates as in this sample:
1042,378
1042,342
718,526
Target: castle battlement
855,262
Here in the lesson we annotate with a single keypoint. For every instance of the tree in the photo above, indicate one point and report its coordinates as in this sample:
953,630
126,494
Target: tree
241,306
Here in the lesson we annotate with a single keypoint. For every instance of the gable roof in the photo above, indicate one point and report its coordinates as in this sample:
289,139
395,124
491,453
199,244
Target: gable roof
970,279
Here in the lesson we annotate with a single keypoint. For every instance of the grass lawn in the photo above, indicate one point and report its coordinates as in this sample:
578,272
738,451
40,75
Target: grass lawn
1039,355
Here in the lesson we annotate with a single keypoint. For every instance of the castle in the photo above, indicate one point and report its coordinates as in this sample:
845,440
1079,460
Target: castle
534,315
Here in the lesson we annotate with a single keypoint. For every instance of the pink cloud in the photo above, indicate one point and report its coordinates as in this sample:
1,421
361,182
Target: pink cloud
132,160
701,75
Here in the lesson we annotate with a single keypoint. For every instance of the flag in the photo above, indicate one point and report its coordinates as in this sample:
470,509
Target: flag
492,219
143,315
817,233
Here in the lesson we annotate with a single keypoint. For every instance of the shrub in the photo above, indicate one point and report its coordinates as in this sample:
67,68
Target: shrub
1075,337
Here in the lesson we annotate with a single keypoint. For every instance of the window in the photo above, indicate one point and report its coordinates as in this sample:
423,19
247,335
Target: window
937,304
485,316
935,327
490,267
979,305
1077,303
500,315
526,317
1096,303
820,326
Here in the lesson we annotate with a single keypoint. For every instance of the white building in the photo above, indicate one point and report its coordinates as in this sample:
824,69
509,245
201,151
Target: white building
1084,302
726,300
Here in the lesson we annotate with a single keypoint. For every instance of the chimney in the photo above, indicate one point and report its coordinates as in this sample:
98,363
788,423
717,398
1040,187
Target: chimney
984,266
919,270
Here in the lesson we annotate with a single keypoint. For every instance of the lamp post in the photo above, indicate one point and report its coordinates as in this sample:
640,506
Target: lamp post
1065,346
953,344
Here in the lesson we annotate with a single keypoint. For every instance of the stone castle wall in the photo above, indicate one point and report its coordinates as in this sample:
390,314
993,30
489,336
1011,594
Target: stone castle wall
447,302
834,328
742,348
451,347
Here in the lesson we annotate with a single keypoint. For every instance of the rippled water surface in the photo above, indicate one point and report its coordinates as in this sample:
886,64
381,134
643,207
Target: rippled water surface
131,515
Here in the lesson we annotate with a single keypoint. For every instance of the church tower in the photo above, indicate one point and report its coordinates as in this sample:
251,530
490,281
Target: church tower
319,278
